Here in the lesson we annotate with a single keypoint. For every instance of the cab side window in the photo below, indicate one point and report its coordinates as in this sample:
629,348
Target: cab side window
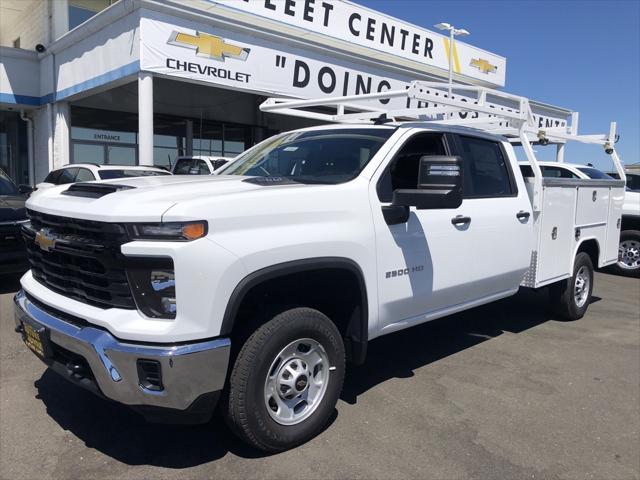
202,167
557,172
84,175
183,166
402,172
67,175
486,173
52,177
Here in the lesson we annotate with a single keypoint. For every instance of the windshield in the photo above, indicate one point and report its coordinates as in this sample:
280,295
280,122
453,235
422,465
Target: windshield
109,174
321,156
594,173
7,187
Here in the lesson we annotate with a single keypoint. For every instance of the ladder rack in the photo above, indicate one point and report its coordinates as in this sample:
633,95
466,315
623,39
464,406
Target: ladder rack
520,120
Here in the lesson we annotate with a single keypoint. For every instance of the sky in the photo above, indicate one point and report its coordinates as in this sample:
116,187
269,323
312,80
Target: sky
578,54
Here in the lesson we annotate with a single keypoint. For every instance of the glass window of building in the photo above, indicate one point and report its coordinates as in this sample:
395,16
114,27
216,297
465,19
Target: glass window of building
82,10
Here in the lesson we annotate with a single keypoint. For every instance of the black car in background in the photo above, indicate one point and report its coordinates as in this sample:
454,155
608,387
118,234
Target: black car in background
13,256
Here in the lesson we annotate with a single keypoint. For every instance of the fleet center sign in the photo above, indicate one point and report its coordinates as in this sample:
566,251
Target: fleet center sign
343,20
230,59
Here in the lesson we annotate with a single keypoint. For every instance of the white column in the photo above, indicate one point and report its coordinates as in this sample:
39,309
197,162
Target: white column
61,131
50,128
560,153
145,118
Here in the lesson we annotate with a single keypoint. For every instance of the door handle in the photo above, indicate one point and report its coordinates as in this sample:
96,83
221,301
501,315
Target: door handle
460,220
522,215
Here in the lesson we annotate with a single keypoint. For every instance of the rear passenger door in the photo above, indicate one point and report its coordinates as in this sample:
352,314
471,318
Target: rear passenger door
501,218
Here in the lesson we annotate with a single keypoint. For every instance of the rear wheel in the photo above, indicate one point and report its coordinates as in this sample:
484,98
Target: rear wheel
571,297
629,254
286,380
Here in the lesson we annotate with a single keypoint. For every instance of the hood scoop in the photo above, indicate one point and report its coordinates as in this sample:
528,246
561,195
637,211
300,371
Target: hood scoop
94,190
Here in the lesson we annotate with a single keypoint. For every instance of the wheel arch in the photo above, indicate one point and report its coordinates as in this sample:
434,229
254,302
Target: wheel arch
591,247
356,329
630,222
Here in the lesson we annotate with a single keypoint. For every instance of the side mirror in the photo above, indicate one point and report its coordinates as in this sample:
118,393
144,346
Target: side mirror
25,189
439,184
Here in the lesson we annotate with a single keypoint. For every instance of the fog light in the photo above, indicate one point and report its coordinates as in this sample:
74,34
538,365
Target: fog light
154,287
150,374
168,305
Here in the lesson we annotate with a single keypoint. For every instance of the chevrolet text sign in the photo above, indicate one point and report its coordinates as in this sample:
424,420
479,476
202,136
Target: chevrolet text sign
230,59
346,21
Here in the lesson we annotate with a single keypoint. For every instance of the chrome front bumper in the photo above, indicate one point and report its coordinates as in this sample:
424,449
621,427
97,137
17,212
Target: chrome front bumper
189,371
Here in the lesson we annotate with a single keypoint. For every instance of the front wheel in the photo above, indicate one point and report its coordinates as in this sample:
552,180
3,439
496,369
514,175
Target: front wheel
286,380
629,254
571,297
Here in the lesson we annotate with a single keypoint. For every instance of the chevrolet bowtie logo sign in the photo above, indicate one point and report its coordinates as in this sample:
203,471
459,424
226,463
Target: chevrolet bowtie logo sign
45,240
208,46
483,65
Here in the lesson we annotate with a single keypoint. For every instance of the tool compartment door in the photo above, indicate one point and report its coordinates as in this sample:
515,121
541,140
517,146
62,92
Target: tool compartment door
616,200
556,233
593,205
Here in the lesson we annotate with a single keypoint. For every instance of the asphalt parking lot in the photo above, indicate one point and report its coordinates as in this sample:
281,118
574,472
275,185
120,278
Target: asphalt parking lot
501,391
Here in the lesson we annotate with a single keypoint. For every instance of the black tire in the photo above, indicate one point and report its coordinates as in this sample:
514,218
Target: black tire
562,293
245,407
620,268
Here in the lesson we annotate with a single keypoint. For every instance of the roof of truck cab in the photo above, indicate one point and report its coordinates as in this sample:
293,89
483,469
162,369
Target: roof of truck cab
110,167
424,125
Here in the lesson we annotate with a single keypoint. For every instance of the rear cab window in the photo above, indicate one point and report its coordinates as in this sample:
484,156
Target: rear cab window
487,172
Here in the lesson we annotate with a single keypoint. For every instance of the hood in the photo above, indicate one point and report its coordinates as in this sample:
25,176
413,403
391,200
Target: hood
141,199
12,208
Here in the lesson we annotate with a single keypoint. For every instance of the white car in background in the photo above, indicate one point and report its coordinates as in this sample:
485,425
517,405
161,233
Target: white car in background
198,165
89,172
630,230
629,251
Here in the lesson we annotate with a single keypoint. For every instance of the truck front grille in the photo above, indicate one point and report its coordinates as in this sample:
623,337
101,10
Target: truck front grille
83,263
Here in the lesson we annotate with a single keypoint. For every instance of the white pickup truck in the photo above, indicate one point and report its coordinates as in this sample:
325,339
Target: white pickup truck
256,286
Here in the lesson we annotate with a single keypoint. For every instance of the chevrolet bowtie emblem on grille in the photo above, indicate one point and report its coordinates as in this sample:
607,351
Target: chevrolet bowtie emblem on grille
208,46
45,240
483,65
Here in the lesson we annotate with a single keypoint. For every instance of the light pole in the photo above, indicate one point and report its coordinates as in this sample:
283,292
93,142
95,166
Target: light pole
453,31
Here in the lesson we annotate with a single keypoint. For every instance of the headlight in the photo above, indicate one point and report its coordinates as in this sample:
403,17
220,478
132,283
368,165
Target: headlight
153,285
172,231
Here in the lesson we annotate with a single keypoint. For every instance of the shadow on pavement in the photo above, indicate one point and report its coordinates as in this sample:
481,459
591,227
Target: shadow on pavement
122,434
399,354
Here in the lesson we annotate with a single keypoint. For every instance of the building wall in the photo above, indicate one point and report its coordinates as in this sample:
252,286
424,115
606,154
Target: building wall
30,25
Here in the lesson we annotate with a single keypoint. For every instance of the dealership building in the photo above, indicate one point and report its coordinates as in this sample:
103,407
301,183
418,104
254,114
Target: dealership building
144,81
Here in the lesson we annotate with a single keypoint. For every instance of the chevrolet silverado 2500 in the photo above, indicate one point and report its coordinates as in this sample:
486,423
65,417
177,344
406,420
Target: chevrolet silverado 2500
255,287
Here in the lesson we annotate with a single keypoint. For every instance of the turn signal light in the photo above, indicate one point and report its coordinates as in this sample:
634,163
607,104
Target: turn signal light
193,231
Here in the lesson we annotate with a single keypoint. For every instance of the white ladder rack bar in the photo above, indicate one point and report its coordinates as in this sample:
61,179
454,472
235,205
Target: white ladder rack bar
497,112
